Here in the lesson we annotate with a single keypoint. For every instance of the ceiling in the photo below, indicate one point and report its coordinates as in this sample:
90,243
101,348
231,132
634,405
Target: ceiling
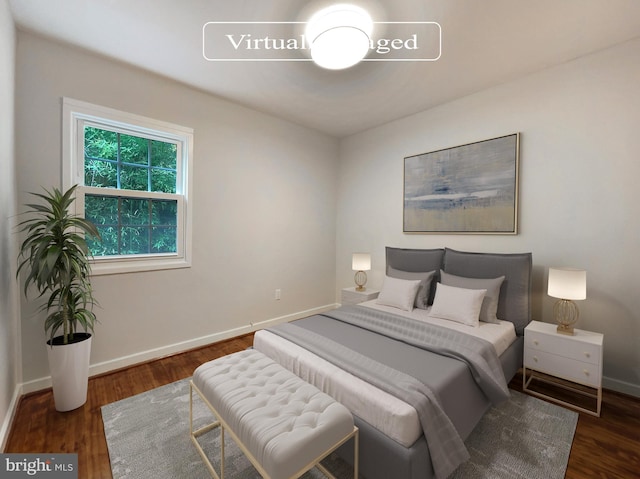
484,43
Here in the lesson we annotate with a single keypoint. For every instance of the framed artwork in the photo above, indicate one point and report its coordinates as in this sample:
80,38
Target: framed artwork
468,189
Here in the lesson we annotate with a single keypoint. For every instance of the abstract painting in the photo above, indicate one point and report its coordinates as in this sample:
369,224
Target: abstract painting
471,188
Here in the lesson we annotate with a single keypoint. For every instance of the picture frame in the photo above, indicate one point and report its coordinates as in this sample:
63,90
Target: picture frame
466,189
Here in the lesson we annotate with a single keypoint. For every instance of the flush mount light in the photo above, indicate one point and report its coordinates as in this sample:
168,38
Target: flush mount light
339,36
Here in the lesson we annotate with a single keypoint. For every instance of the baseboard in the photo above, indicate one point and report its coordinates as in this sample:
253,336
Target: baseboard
118,363
621,386
5,428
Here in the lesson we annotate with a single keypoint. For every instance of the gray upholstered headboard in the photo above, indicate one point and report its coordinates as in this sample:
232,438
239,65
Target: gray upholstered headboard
515,294
417,261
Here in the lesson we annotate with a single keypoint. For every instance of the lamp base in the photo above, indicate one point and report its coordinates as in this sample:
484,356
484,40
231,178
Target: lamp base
361,279
566,315
565,329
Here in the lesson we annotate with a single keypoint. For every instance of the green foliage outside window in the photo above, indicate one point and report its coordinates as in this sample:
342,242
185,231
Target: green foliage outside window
130,225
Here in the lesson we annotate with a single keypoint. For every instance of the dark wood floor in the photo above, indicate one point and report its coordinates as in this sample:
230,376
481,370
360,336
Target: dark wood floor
606,447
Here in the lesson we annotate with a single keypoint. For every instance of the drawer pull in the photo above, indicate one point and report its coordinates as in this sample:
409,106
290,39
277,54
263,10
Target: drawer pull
535,341
586,373
587,354
535,358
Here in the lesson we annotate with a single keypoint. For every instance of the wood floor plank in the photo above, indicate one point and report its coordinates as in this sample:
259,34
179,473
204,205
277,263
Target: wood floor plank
606,447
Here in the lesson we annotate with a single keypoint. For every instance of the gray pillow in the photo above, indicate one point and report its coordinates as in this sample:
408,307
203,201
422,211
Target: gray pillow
490,301
425,284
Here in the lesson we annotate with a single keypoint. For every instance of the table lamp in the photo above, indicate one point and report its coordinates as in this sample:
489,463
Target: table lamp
360,263
567,284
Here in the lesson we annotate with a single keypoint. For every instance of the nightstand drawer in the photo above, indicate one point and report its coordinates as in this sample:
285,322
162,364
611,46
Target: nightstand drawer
563,346
563,367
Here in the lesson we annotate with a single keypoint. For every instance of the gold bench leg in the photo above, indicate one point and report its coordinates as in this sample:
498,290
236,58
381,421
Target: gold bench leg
195,434
356,451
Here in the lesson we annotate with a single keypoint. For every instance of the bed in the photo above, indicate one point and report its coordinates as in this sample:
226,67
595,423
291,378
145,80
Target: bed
419,366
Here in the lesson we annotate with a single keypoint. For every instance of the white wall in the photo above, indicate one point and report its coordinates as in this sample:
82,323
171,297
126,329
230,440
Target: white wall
580,167
264,205
9,355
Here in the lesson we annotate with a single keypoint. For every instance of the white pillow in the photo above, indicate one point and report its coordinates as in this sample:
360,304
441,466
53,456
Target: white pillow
398,293
458,304
422,297
490,302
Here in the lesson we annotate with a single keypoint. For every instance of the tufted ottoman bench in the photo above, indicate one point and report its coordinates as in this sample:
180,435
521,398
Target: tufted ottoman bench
284,425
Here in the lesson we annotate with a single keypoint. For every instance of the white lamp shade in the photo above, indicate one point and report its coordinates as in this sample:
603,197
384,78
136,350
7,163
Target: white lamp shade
361,262
567,283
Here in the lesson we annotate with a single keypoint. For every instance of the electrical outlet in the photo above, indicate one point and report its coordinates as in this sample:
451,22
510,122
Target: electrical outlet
277,294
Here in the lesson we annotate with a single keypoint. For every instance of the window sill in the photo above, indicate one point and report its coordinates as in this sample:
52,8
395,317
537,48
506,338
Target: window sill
101,267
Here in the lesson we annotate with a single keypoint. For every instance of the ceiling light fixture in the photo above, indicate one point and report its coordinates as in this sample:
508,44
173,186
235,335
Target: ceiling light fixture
339,36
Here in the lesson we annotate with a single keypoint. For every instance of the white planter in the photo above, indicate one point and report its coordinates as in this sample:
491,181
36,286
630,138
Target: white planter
69,366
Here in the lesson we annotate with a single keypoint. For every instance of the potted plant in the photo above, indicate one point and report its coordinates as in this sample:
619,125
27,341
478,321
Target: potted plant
55,260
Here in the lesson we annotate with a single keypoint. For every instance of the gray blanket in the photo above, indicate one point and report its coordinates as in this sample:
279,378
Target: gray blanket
446,447
478,354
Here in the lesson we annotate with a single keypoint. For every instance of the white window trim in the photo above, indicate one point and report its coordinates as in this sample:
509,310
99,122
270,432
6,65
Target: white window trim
74,114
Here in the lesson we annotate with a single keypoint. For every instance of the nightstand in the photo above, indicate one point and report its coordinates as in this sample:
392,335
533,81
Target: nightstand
573,363
351,296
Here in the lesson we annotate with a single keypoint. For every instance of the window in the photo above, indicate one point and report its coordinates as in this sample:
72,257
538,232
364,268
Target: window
133,177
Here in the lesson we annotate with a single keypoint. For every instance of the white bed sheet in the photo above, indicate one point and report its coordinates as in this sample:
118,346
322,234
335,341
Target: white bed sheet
393,417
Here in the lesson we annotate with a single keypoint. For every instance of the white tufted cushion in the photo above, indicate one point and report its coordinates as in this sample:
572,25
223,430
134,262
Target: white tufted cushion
283,421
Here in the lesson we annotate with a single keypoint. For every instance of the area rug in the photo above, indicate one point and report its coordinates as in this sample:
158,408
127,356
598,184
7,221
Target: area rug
148,437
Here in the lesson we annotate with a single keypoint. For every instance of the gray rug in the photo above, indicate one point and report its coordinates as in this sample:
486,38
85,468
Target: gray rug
148,437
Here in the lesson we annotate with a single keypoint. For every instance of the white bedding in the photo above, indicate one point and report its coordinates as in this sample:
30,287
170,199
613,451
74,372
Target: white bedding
395,418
